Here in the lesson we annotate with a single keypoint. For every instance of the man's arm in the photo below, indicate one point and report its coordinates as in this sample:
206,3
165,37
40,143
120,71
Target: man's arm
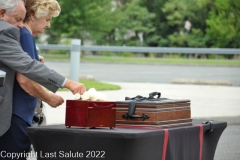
36,90
12,55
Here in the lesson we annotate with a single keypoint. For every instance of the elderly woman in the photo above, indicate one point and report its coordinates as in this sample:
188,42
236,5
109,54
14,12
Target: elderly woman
27,92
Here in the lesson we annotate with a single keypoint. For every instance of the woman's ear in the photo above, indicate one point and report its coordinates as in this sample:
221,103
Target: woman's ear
32,18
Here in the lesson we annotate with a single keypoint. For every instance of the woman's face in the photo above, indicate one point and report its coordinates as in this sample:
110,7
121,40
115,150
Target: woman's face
40,24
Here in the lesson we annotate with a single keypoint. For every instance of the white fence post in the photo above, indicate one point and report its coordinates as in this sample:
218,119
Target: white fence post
75,59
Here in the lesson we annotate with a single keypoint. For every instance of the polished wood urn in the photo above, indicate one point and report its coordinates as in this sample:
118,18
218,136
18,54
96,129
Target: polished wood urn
90,114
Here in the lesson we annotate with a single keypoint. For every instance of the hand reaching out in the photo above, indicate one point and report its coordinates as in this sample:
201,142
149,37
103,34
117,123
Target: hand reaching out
54,100
75,87
41,58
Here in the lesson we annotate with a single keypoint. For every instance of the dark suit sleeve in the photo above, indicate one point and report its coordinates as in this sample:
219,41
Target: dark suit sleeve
12,55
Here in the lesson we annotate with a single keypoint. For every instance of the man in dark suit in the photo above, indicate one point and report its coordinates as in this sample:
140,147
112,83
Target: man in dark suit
13,59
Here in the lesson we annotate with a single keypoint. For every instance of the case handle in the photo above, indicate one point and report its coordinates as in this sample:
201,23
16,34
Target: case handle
132,105
153,94
150,98
131,109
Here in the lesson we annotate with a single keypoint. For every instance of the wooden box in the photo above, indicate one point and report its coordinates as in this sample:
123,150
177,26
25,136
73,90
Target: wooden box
90,114
165,113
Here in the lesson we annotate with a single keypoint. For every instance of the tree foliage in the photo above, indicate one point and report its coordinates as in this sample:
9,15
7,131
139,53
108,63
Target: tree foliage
224,24
135,22
84,19
163,23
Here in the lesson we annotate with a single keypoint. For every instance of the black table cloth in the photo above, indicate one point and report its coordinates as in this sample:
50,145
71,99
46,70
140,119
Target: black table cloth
195,142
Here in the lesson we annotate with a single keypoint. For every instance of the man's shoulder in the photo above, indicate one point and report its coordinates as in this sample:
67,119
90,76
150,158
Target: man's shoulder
8,31
6,26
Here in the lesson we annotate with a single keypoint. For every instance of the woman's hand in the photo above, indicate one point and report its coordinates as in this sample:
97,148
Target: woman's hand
41,58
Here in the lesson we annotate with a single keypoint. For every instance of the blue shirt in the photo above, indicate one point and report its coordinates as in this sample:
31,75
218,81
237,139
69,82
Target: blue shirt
24,104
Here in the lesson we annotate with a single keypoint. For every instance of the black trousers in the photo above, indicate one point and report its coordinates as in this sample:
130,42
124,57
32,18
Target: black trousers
15,143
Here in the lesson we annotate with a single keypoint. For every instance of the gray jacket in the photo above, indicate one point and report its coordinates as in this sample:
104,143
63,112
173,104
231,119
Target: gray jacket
13,59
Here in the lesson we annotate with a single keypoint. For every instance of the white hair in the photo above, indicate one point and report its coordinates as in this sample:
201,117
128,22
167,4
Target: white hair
9,5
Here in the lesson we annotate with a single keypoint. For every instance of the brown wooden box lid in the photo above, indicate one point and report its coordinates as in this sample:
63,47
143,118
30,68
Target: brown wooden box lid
167,103
157,112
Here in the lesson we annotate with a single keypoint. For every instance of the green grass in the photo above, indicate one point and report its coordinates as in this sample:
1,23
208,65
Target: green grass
170,61
99,86
137,60
55,57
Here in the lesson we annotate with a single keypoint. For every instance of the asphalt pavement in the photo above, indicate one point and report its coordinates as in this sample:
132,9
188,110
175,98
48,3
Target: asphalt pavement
113,72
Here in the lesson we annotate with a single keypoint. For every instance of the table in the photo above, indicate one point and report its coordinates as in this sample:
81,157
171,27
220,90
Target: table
198,141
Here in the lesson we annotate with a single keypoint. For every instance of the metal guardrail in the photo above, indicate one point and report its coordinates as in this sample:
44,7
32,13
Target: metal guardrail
54,47
143,49
76,47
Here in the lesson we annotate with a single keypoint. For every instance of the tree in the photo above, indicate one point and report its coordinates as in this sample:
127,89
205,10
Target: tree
224,24
159,22
135,22
84,19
